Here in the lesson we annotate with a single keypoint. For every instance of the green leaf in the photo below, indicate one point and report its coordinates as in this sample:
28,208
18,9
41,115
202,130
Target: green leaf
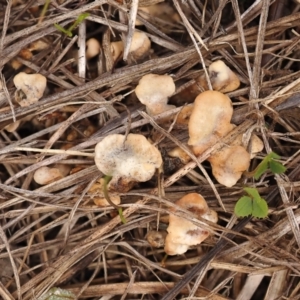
261,169
80,18
277,167
243,207
252,192
63,30
272,155
260,208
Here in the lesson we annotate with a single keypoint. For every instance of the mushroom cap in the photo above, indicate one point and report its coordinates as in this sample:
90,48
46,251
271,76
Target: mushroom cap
229,164
93,48
140,45
32,85
183,233
133,159
153,91
156,238
117,49
222,78
45,175
210,120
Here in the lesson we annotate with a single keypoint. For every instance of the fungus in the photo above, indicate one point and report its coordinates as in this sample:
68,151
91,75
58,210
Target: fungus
210,120
93,48
140,45
181,154
127,160
117,49
154,90
229,163
222,78
32,85
46,175
156,238
183,233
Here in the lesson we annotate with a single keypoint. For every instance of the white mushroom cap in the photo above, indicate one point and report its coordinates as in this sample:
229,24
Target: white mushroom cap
45,175
222,78
32,85
183,233
154,90
140,45
210,120
229,164
130,160
93,48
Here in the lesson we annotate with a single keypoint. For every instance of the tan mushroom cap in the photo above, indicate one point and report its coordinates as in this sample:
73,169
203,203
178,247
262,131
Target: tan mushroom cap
140,45
156,238
93,48
117,49
46,175
210,120
229,164
183,233
154,90
222,78
130,160
32,85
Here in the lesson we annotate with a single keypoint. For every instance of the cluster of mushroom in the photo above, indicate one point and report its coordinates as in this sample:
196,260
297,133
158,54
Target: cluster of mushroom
208,120
139,48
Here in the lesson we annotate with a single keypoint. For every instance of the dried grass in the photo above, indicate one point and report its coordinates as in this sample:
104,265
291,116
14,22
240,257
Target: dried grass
55,236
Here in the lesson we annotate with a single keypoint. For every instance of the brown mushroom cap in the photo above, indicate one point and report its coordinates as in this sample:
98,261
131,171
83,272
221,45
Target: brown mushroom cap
93,48
229,164
130,160
154,90
210,120
183,233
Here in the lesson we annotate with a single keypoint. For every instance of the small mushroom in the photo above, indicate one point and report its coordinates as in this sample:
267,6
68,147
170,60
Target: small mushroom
117,49
229,163
127,159
140,45
156,238
210,120
32,85
183,233
154,90
93,48
181,154
46,175
222,78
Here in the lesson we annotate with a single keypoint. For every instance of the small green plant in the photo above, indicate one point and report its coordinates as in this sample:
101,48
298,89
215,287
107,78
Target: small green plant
269,163
68,31
253,204
57,294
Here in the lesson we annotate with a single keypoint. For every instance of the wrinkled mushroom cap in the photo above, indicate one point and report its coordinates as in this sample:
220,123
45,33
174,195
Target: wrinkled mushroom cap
183,233
229,164
154,90
130,160
222,78
210,120
32,85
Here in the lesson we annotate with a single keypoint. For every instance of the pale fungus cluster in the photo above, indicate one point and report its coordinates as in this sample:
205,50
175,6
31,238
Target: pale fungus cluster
132,158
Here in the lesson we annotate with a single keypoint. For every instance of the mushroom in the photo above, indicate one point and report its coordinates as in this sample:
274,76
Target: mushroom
32,85
117,49
93,48
183,233
127,159
140,45
222,78
180,153
210,120
156,238
46,175
229,163
154,90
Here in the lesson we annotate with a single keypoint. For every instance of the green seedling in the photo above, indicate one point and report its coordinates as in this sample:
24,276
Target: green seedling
269,162
68,31
251,205
106,195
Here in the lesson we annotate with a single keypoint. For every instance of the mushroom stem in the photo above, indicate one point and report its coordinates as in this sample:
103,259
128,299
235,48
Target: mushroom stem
107,179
